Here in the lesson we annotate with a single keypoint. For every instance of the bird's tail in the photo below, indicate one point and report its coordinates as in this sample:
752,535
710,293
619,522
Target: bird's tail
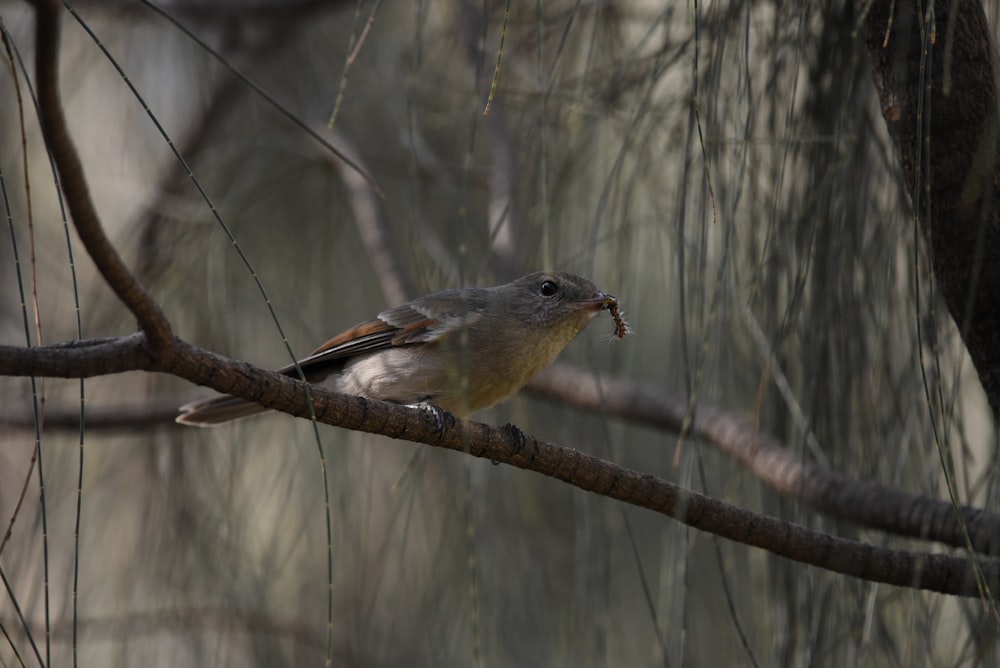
216,410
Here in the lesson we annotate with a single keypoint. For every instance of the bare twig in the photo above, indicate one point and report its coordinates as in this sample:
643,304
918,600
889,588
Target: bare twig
264,95
374,229
128,417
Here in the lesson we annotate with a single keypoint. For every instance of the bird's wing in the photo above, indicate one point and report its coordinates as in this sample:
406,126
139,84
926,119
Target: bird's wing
399,326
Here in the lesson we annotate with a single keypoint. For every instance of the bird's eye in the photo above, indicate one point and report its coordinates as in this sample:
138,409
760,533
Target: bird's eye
549,288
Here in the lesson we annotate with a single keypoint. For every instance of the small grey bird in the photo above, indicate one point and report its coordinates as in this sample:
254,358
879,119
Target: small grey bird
461,350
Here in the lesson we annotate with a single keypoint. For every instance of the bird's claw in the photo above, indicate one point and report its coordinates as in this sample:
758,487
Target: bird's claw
518,434
440,417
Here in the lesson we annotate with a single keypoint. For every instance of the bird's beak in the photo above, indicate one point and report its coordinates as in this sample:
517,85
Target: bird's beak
599,302
605,302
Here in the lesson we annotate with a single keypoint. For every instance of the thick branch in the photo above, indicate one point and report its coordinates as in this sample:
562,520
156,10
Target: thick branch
148,313
864,503
935,572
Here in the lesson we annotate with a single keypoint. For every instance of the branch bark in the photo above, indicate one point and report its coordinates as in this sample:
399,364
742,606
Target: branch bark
864,503
933,572
74,184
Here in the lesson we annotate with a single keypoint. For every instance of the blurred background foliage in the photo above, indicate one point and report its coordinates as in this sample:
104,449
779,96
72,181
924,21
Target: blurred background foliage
722,167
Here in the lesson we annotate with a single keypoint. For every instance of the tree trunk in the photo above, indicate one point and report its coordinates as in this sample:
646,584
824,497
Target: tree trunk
936,75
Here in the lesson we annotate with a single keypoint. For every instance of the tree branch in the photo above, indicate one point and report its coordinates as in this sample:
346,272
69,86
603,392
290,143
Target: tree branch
864,503
934,572
372,224
74,184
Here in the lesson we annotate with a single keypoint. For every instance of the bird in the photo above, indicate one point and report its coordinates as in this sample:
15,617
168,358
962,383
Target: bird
460,350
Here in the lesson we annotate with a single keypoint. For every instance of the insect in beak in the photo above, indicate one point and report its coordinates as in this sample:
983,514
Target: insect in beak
612,305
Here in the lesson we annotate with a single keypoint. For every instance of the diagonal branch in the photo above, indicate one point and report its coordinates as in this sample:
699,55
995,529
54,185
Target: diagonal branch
372,222
933,572
148,313
864,503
